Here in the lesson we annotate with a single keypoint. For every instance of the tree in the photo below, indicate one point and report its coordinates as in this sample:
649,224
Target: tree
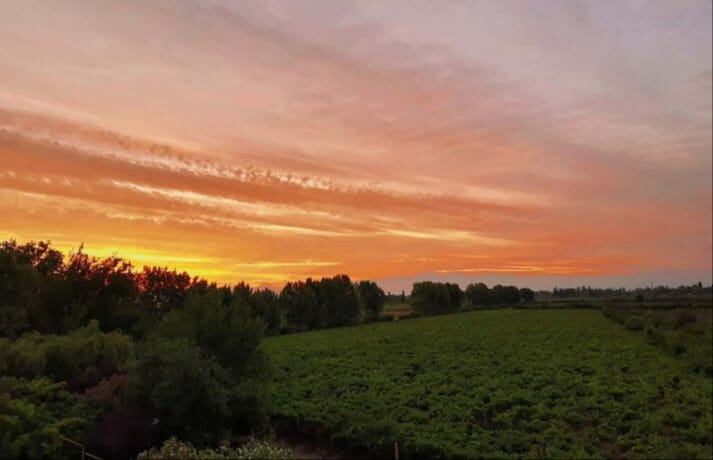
230,333
186,390
527,295
301,306
162,290
202,369
338,300
505,294
266,306
429,298
19,285
35,413
311,304
478,294
371,299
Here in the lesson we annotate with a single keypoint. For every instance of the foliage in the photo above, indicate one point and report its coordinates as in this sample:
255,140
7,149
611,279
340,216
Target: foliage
40,290
230,333
162,289
20,280
311,304
189,392
81,357
203,373
500,383
371,299
638,294
429,298
301,305
266,306
478,294
678,332
33,413
253,450
527,295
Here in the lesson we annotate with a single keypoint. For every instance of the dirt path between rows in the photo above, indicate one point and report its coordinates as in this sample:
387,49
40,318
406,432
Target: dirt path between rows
307,449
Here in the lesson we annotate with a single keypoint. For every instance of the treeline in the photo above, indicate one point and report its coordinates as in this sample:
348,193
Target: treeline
329,302
478,294
42,291
653,292
142,355
430,298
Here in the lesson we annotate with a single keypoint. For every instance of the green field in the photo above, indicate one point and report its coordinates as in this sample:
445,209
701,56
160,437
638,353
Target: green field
546,383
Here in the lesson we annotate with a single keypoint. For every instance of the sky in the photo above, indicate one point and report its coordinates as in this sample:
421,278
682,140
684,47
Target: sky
535,143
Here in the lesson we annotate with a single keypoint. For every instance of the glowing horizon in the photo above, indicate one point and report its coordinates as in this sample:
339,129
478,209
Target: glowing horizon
271,141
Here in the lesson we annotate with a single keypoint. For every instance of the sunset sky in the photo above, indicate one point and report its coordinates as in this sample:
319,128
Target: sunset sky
539,143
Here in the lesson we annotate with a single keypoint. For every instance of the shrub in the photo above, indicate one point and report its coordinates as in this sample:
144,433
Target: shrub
189,393
202,373
34,413
81,357
253,450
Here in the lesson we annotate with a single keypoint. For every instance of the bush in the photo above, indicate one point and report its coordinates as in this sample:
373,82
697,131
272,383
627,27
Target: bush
81,357
189,393
34,413
202,373
253,450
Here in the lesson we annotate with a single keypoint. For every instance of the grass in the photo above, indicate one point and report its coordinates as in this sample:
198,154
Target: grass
499,383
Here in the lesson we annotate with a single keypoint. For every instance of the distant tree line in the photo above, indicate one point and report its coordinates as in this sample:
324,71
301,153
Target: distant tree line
431,298
652,292
478,294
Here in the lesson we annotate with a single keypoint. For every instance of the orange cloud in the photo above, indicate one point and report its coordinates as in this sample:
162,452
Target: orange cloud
267,142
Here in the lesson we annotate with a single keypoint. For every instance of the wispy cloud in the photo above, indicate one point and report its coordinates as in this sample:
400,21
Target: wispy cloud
472,138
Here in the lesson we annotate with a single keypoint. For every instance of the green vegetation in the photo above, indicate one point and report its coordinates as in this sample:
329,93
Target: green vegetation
119,359
565,383
162,350
371,299
201,372
686,334
430,298
318,304
253,450
83,356
33,413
